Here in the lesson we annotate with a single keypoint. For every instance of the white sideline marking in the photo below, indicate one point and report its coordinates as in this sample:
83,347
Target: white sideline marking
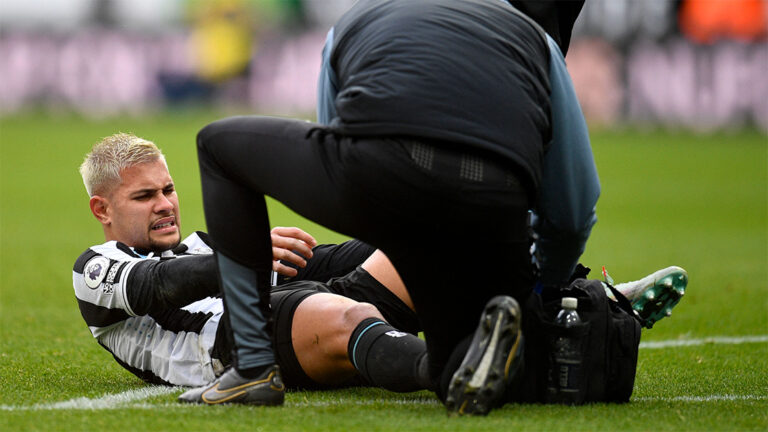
710,340
123,400
109,401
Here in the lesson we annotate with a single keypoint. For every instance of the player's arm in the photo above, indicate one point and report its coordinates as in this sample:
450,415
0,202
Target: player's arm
154,286
570,187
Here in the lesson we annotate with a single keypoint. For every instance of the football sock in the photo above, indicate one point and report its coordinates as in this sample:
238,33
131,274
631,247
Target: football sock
388,358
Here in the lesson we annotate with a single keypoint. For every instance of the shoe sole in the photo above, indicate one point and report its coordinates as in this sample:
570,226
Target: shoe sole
656,301
491,362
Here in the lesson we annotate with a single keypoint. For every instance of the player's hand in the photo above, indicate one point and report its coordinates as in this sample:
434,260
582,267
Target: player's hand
292,245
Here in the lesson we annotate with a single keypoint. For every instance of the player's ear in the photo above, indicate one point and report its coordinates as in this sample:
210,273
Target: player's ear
99,206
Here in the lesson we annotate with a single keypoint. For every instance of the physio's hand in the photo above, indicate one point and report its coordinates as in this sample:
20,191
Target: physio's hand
292,245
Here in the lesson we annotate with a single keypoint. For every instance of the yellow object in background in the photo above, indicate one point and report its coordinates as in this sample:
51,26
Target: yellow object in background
222,39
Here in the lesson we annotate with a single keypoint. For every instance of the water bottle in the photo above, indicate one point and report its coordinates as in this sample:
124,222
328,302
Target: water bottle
565,357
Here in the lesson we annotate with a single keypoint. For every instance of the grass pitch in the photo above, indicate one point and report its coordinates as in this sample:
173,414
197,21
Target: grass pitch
669,198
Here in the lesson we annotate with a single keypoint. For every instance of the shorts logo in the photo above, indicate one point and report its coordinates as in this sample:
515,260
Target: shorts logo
95,270
395,334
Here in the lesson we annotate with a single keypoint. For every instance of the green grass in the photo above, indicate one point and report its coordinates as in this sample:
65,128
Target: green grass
668,198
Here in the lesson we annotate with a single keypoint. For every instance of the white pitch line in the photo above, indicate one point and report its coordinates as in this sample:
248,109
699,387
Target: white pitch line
674,343
109,401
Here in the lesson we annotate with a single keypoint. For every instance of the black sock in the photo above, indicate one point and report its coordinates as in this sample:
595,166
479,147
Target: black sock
388,358
421,373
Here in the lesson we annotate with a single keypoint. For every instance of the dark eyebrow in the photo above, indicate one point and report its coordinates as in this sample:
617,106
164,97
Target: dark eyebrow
150,191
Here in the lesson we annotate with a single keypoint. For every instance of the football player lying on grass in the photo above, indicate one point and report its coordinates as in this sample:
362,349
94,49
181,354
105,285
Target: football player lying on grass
342,316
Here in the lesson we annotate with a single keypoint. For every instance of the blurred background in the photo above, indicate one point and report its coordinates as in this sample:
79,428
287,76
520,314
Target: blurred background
695,64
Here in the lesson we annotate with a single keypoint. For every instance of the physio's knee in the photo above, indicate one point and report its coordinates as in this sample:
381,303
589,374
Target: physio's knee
216,129
203,144
213,142
205,134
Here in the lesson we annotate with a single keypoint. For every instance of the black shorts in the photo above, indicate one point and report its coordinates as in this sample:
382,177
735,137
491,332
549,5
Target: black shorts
284,301
330,261
360,286
339,267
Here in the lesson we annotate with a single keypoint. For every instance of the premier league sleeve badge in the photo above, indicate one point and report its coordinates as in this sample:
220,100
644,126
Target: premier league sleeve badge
95,270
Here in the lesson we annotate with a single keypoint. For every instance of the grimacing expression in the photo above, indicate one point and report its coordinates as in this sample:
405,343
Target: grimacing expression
143,210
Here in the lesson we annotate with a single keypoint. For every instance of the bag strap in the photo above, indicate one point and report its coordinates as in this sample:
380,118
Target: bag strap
581,272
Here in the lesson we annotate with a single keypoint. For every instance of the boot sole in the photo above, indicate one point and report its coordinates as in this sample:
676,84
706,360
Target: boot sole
493,358
656,301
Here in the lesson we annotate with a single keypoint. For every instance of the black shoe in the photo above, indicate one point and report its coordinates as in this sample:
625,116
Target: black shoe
267,389
492,361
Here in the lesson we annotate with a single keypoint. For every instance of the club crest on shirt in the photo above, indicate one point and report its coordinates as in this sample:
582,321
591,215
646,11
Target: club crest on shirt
95,270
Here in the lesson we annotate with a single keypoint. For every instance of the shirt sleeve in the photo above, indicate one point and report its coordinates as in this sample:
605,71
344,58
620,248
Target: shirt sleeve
327,88
99,279
566,213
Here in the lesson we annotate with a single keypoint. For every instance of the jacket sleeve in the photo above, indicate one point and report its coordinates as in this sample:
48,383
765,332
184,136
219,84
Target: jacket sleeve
327,88
566,212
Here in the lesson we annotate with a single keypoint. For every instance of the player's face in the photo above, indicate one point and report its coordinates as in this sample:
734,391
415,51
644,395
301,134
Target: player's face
144,209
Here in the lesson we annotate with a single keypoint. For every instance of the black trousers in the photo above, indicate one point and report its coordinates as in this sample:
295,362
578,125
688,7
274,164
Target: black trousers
453,223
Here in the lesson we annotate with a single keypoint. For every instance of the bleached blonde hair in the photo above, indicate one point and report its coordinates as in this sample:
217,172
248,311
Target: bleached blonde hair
102,166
